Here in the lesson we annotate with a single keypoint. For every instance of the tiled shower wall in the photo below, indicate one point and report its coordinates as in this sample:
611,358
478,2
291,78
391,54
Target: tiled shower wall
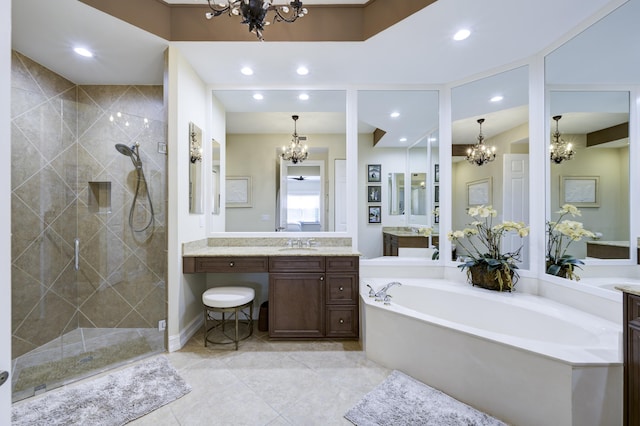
63,137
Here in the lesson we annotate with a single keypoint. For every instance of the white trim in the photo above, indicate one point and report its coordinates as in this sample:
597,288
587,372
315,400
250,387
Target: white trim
177,342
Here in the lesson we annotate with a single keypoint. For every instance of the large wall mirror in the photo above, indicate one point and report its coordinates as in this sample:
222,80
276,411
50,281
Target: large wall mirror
589,88
398,129
498,108
196,195
286,196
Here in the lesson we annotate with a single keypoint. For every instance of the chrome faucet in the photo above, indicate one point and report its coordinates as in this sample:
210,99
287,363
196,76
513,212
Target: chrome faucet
381,295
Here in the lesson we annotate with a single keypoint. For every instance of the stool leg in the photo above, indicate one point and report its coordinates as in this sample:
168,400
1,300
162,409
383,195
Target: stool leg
237,314
206,326
251,319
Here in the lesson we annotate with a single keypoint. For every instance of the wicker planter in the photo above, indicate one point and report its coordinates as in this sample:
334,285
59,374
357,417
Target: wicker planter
562,273
481,277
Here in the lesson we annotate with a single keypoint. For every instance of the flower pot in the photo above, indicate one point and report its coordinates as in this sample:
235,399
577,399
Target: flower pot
562,273
480,276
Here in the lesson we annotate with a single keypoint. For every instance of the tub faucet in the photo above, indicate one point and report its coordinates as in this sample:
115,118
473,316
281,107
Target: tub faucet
381,294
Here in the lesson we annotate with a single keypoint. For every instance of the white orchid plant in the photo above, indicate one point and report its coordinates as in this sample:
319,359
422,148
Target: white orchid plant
482,241
560,235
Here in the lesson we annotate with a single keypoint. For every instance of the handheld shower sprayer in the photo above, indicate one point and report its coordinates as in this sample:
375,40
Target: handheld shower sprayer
134,154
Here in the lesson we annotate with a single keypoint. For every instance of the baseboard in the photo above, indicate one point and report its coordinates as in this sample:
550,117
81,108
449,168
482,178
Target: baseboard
176,342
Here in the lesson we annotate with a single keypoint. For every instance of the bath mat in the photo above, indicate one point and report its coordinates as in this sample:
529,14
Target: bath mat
114,399
402,400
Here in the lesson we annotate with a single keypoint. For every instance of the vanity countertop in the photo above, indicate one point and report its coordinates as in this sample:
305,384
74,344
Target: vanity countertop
402,231
220,247
632,289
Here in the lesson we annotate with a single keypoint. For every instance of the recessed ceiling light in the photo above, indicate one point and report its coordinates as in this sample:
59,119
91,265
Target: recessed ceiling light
394,114
303,97
403,139
497,98
432,139
83,52
461,35
258,96
246,71
302,70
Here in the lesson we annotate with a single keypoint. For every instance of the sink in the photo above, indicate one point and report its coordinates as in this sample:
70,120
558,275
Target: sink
298,249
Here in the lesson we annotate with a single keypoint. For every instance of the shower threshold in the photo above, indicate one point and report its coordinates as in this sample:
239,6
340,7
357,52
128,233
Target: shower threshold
78,354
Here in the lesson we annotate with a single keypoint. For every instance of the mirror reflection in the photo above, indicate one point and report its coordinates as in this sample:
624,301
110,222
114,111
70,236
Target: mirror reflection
398,129
258,125
595,179
196,198
215,177
493,112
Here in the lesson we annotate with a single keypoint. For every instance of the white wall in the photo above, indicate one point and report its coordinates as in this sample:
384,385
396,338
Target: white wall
5,208
392,160
187,102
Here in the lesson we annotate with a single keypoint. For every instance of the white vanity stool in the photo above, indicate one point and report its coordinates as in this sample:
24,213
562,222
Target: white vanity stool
224,300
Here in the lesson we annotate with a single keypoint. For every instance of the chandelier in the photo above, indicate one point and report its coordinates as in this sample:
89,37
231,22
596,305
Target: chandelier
295,152
559,149
254,12
480,154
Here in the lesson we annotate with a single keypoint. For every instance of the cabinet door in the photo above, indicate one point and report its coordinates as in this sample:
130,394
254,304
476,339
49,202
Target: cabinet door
296,304
342,288
342,321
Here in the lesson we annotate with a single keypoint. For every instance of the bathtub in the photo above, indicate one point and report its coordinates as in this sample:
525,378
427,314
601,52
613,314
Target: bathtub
522,358
609,283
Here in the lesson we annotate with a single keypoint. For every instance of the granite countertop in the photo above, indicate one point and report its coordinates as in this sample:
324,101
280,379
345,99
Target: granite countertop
214,247
633,289
402,231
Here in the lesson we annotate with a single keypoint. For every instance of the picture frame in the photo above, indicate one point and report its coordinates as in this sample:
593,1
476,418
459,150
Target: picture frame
436,173
374,172
238,191
479,192
581,191
436,218
436,194
375,213
374,193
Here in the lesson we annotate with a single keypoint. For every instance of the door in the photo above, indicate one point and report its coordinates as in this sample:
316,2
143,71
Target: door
302,196
296,304
515,201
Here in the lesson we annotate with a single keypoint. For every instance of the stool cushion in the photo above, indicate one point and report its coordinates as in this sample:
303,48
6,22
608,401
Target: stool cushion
227,297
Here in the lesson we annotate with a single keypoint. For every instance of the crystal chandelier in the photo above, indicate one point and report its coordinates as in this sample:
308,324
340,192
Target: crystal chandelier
254,12
295,152
480,154
559,149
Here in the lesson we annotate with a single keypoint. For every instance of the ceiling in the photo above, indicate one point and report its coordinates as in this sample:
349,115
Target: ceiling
419,50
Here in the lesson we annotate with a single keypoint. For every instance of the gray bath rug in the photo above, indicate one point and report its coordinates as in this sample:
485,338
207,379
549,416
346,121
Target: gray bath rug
402,400
114,399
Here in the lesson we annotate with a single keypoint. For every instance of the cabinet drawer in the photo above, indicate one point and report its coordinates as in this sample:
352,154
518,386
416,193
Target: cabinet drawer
343,263
231,264
296,264
342,288
342,321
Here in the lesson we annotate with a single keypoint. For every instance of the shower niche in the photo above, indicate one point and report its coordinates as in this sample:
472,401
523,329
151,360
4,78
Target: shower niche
99,197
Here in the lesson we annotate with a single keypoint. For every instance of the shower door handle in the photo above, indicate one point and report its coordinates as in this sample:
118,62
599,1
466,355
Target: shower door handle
76,263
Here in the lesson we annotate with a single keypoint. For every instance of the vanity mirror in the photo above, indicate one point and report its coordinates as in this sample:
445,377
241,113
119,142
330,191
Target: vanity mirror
502,102
258,125
196,199
215,177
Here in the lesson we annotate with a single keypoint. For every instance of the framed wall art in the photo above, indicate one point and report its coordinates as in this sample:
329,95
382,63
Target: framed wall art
374,193
581,191
375,214
374,172
479,192
238,191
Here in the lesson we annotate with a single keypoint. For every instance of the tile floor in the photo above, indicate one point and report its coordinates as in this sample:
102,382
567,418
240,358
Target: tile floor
268,383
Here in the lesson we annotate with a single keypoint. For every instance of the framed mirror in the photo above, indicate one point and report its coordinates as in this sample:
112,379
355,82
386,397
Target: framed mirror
494,112
258,124
215,177
196,199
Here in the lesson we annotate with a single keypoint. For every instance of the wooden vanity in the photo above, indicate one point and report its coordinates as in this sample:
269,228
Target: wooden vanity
313,293
394,238
631,330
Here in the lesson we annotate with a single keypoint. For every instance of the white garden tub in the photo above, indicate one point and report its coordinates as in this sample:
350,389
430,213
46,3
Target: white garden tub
522,358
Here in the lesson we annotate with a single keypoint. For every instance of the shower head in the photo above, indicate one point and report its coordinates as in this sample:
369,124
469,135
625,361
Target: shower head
125,150
132,152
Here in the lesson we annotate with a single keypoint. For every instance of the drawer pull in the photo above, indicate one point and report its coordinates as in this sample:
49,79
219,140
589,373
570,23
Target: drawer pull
341,321
321,278
232,264
341,288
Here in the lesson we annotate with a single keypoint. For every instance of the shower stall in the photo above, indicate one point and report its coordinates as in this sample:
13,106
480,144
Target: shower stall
88,226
